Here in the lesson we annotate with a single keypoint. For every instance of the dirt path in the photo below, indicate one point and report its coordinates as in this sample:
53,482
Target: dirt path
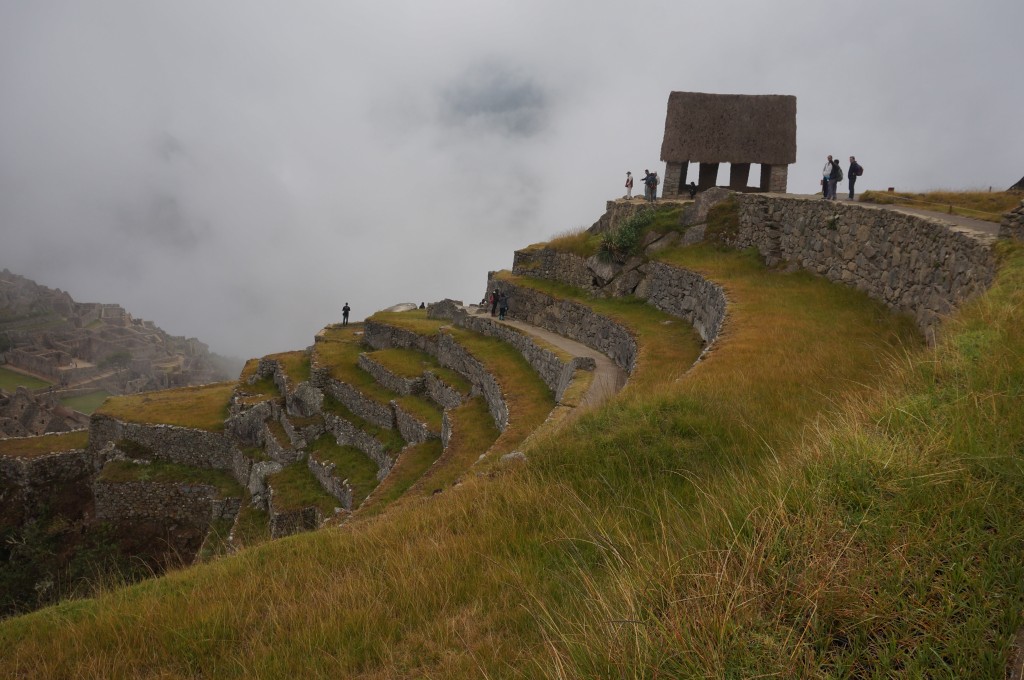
608,377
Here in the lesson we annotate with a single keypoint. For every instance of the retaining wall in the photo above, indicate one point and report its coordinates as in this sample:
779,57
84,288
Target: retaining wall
450,355
1012,225
571,320
197,504
554,369
324,472
914,264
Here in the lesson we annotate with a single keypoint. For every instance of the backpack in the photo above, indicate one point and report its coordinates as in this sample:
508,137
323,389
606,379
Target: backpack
840,169
859,170
656,180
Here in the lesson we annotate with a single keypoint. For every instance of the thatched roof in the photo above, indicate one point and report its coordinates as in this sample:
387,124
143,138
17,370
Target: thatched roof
1019,186
730,128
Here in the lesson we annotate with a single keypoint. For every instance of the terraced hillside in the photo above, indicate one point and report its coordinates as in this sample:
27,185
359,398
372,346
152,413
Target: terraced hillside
791,482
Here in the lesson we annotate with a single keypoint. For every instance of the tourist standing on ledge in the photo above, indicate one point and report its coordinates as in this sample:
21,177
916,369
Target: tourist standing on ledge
494,302
502,306
853,173
629,185
651,182
826,172
647,185
834,178
344,314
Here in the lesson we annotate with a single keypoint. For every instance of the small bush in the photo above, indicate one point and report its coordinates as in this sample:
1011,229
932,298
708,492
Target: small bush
618,244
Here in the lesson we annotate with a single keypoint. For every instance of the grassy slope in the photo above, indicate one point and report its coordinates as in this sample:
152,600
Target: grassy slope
204,407
716,525
30,447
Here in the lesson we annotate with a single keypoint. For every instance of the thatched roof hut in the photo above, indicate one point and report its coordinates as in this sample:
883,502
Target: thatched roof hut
738,129
730,128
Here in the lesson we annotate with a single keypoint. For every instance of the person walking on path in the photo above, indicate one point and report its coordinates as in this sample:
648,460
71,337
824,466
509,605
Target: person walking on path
629,185
502,306
344,314
834,178
825,173
853,173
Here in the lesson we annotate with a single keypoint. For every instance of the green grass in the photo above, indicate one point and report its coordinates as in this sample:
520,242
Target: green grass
981,205
203,408
158,472
473,433
12,380
86,403
295,365
529,400
822,496
31,447
405,363
408,469
295,488
252,526
352,464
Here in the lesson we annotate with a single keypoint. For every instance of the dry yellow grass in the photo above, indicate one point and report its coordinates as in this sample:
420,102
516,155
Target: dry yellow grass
31,447
203,408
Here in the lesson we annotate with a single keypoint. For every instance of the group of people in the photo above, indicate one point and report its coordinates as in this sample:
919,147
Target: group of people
832,175
498,302
650,181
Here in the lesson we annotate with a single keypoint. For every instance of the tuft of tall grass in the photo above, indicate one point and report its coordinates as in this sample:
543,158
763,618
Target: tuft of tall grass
981,205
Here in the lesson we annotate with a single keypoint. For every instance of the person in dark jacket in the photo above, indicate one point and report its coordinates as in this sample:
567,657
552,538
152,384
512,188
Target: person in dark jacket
853,173
502,306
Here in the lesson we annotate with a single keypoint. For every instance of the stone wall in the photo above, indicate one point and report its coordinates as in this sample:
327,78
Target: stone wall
381,415
27,484
285,522
1012,225
441,393
919,265
347,434
170,443
411,428
571,320
450,355
324,471
390,381
555,370
686,295
197,504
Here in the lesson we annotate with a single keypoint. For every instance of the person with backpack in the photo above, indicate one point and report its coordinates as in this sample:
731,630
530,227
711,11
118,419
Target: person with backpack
344,314
825,172
834,178
651,184
853,173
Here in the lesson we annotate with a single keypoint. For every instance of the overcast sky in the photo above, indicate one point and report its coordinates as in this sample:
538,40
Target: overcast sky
237,171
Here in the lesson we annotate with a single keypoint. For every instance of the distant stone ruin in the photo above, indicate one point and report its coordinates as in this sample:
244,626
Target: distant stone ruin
1019,186
739,129
87,347
24,414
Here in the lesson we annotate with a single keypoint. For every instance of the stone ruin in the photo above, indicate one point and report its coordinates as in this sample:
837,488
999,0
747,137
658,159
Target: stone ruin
1019,186
739,129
